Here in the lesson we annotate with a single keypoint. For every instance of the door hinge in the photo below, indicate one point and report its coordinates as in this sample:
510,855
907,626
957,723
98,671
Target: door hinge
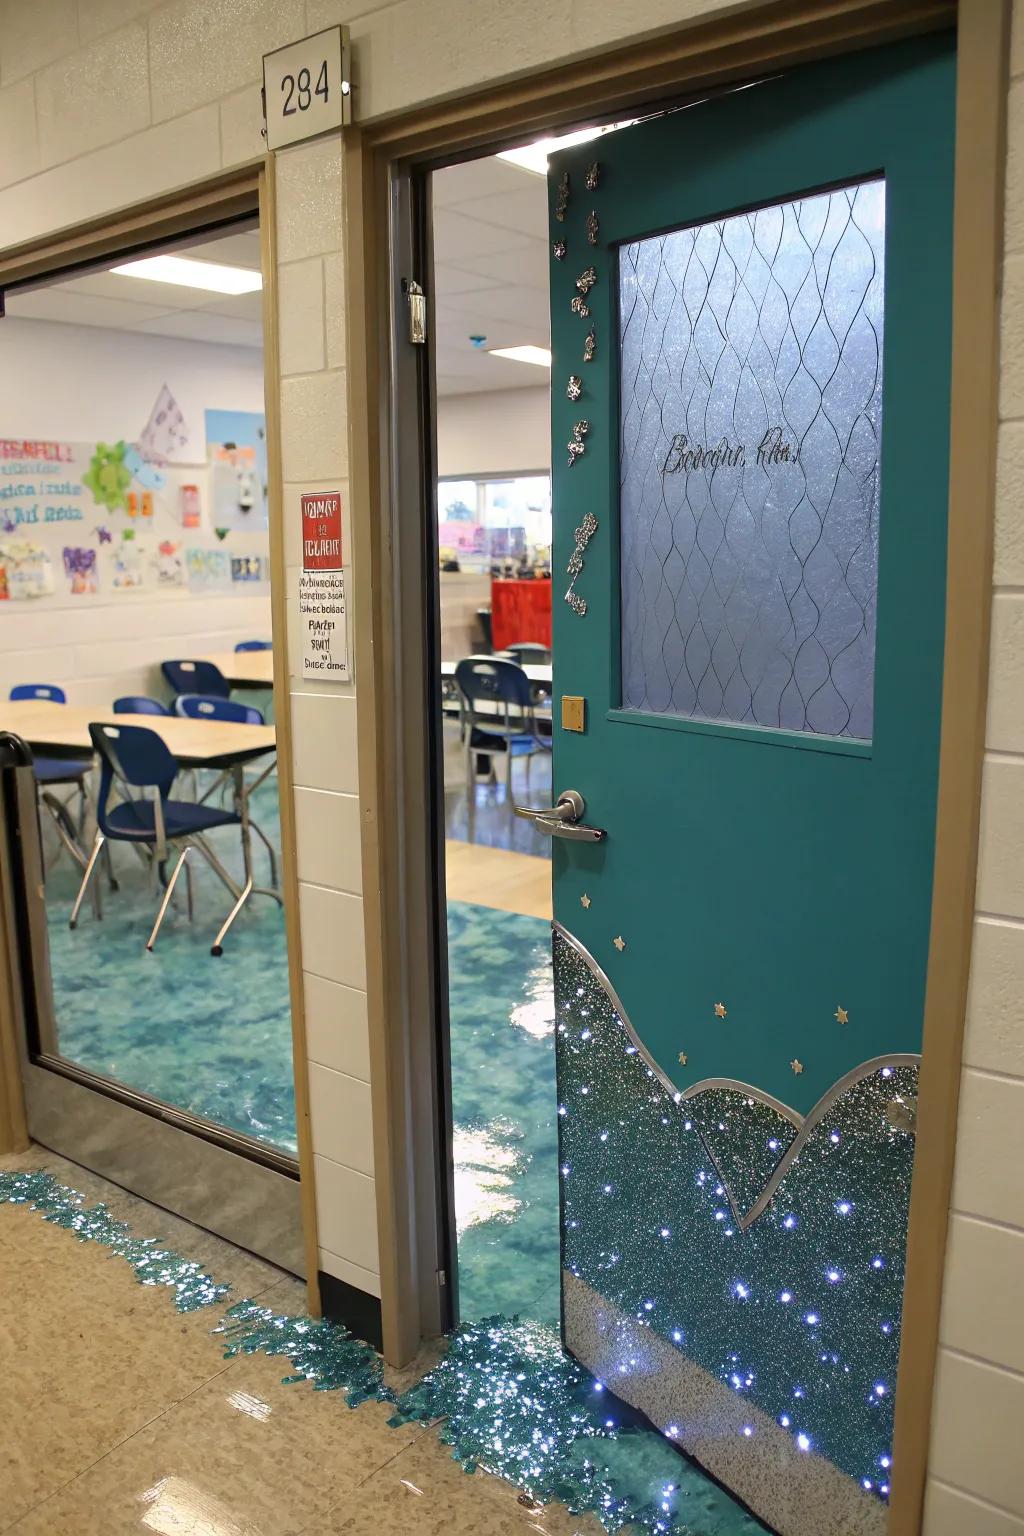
416,300
442,1277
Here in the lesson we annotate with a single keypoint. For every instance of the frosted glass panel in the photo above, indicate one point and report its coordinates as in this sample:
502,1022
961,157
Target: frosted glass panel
751,357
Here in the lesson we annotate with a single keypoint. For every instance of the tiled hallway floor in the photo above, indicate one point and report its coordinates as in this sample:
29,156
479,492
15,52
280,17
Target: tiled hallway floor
119,1414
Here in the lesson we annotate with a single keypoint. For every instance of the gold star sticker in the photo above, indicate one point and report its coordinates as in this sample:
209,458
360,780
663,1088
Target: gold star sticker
584,900
619,943
842,1016
682,1058
720,1010
797,1066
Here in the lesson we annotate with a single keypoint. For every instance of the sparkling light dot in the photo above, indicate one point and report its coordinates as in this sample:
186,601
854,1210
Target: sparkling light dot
812,1319
844,1207
665,1232
833,1276
785,1297
878,1262
834,1138
803,1441
784,1420
789,1222
740,1290
748,1430
879,1389
885,1461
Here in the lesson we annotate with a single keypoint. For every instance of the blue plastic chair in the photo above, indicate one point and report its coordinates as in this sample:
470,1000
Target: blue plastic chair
202,706
39,691
52,772
196,677
499,716
199,706
255,645
139,704
135,757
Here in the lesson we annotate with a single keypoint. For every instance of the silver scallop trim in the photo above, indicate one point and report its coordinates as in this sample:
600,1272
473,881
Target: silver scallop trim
805,1123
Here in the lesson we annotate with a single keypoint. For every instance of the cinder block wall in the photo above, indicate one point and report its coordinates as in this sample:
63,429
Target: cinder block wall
105,102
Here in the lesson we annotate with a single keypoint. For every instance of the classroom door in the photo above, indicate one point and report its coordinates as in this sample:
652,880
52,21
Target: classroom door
750,403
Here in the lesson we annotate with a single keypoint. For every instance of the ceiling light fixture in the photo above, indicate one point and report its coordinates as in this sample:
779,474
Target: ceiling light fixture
534,157
541,356
184,273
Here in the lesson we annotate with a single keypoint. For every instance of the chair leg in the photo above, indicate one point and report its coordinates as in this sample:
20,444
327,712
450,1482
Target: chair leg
268,845
168,893
94,855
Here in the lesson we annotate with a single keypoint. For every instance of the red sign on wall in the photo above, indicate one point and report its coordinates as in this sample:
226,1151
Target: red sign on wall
321,531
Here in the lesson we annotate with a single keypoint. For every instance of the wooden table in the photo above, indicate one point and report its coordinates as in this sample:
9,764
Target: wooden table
243,669
62,730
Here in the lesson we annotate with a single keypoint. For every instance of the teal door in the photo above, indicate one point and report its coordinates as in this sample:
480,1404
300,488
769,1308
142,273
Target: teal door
750,401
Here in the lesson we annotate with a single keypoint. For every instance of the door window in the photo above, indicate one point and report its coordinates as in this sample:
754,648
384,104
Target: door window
751,418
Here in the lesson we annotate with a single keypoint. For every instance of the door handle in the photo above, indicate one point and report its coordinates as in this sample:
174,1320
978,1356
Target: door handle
563,818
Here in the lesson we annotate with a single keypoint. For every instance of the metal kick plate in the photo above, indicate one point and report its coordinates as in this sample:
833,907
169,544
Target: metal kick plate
574,712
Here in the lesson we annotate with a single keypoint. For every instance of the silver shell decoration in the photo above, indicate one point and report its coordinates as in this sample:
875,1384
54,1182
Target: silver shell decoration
577,446
562,199
590,346
558,250
579,306
584,533
593,226
586,280
593,176
574,388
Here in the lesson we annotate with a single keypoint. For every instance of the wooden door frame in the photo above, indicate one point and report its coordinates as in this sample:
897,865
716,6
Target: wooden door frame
610,85
249,189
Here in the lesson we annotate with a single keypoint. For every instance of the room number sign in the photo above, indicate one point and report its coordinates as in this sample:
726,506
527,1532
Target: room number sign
306,88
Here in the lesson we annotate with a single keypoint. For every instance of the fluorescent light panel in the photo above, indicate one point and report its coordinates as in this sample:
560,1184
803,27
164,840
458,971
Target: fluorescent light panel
539,355
184,273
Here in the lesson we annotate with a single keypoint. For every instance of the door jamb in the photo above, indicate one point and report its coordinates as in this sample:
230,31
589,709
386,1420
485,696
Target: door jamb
248,189
618,80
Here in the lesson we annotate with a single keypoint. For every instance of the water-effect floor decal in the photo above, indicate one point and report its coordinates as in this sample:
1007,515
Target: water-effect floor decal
504,1108
509,1400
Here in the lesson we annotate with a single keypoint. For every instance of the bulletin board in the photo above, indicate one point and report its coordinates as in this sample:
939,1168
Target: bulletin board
86,520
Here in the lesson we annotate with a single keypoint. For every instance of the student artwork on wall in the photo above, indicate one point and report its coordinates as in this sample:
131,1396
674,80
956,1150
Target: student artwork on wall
209,570
126,518
26,569
80,570
236,448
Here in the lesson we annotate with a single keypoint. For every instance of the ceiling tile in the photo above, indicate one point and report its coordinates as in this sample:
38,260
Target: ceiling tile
456,236
524,211
80,309
195,325
477,178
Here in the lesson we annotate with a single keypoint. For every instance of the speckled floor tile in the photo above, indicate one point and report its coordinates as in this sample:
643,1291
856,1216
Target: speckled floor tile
87,1357
247,1274
242,1454
423,1492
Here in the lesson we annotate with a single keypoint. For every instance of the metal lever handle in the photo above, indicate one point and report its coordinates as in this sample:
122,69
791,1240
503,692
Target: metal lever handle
563,818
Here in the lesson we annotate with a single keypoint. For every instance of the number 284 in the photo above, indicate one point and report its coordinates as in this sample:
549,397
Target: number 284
299,90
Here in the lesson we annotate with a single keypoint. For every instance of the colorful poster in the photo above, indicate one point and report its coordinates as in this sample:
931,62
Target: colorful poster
80,570
248,568
127,567
209,570
26,570
168,564
236,448
166,431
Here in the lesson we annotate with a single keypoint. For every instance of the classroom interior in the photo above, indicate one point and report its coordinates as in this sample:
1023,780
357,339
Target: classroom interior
135,591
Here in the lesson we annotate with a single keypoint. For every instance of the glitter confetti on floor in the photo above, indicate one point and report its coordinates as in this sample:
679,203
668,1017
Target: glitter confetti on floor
153,1264
508,1398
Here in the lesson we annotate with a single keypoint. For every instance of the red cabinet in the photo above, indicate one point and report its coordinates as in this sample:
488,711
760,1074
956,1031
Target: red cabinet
520,610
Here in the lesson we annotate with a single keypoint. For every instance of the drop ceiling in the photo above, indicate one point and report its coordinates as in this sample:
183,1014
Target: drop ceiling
157,309
491,274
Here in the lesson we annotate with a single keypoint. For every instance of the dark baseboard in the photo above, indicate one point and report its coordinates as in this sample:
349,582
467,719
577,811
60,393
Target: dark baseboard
357,1310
